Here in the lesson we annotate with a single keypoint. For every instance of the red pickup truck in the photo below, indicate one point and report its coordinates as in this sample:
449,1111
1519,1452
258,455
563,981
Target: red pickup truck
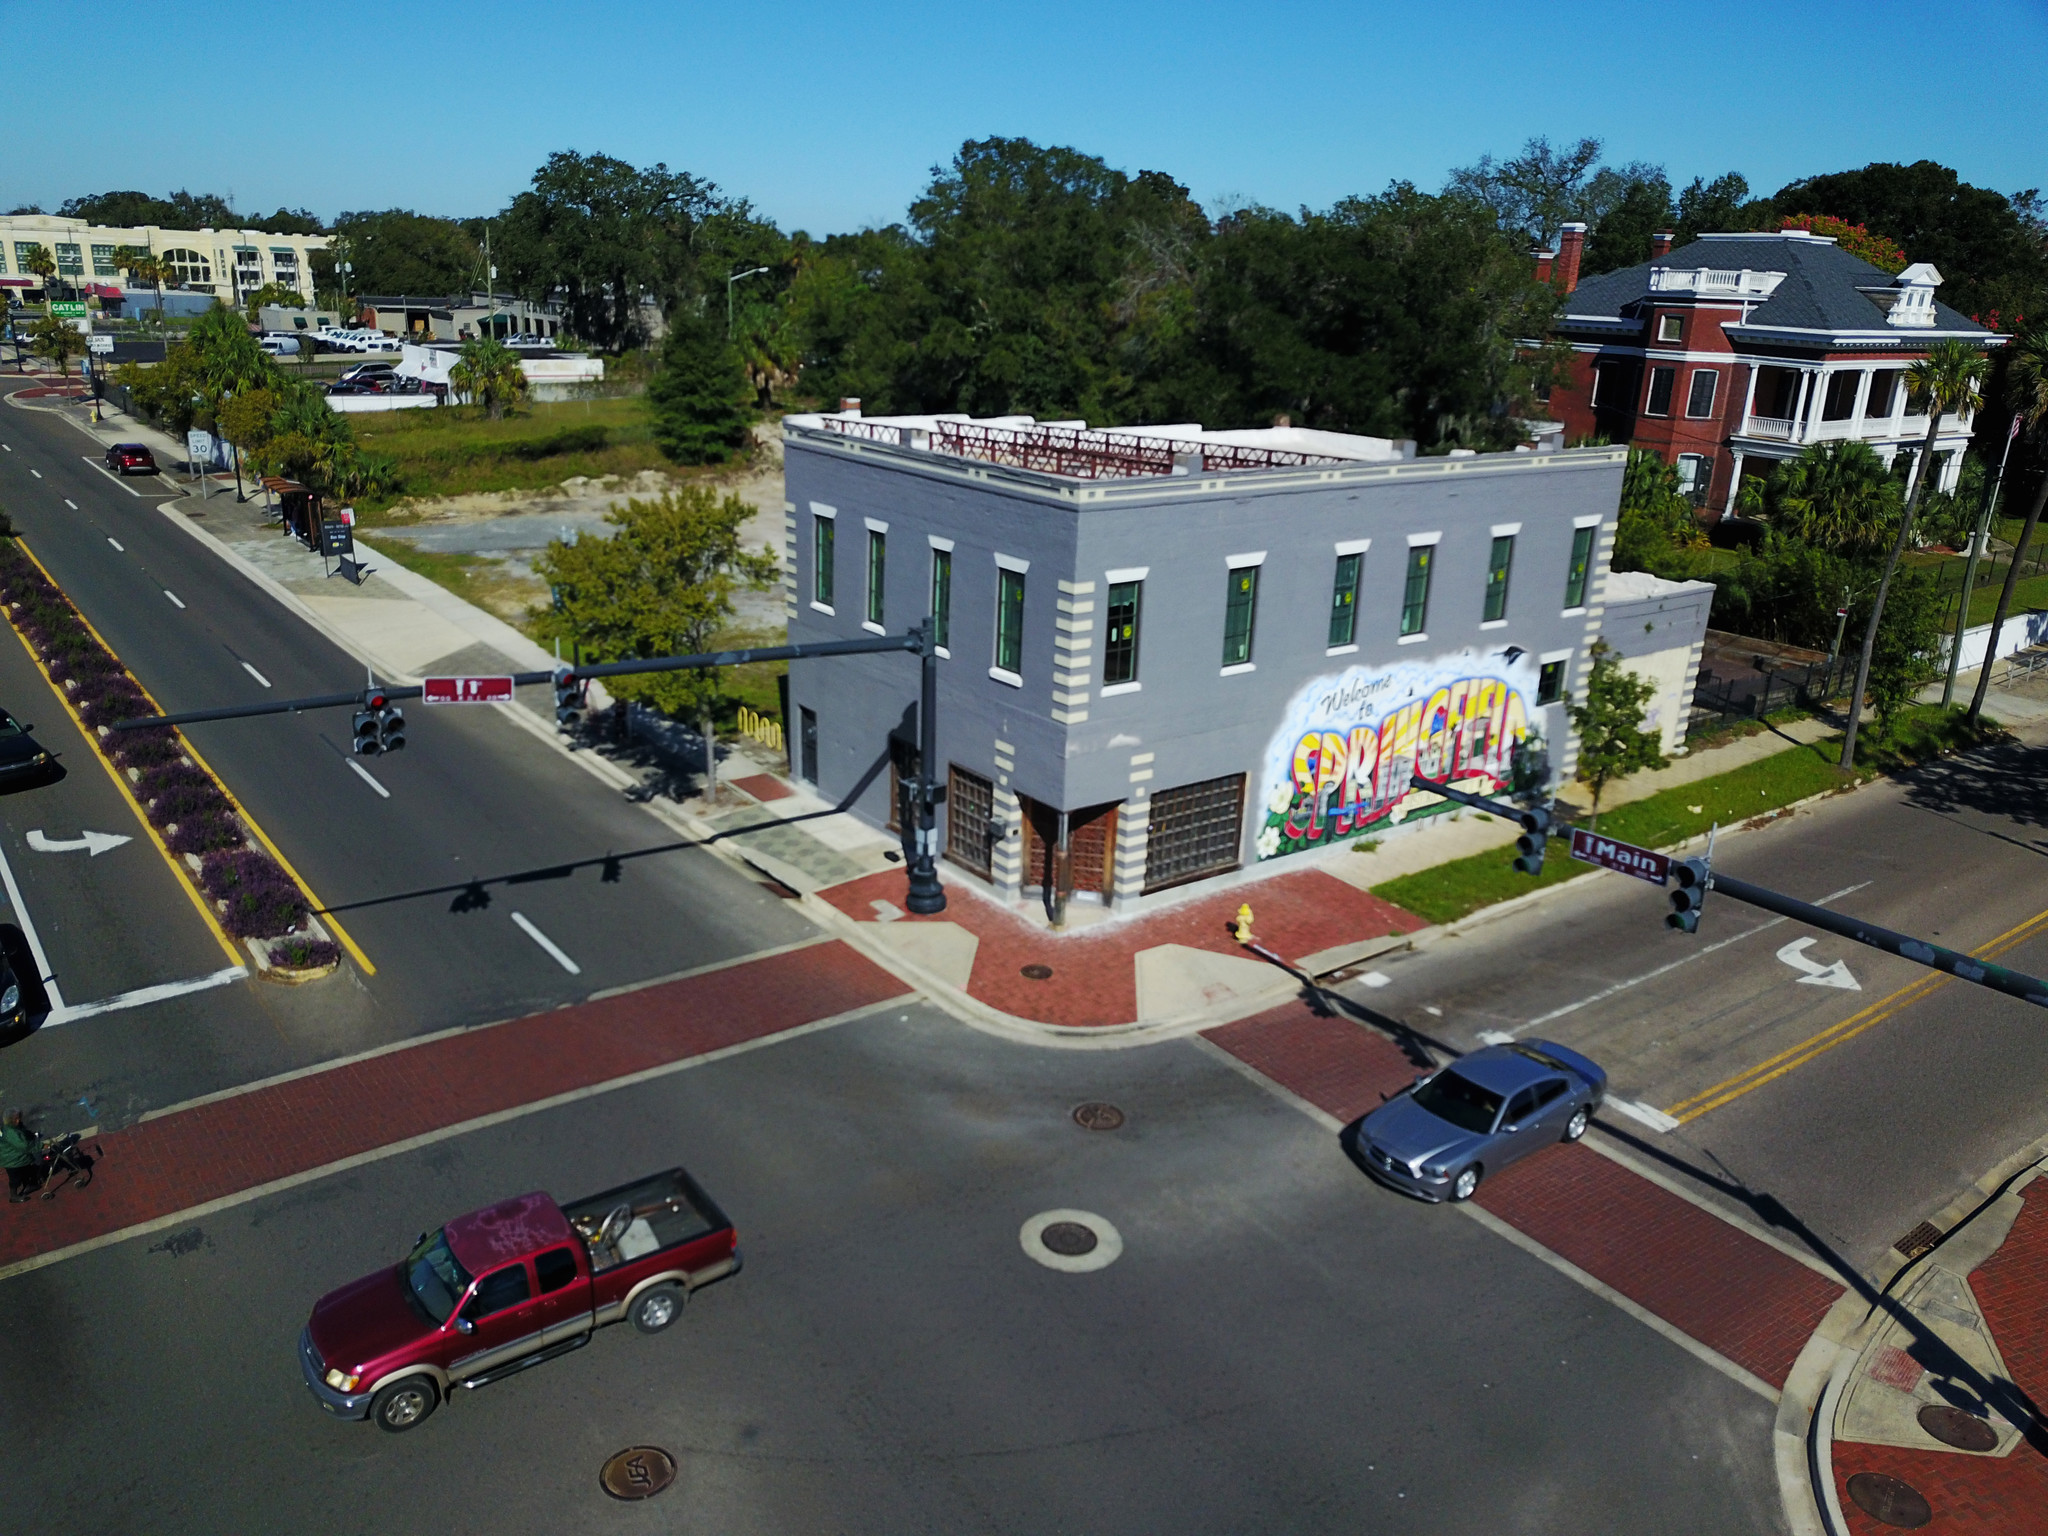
510,1286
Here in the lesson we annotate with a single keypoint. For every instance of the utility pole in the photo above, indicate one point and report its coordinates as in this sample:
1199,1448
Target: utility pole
1977,547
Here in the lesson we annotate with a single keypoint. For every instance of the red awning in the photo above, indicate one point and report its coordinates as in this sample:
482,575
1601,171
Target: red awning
105,291
17,282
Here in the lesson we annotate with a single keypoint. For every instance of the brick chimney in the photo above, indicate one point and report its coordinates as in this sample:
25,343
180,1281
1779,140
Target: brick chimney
1660,245
1544,260
1571,246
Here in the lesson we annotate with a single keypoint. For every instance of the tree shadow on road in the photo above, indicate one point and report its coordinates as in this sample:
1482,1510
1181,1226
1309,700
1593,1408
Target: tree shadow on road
2006,782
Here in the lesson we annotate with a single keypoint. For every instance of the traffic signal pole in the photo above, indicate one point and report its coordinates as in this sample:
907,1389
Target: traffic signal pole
1534,821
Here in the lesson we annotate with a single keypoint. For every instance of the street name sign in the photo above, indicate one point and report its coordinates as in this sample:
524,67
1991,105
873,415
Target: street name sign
100,346
1643,863
466,690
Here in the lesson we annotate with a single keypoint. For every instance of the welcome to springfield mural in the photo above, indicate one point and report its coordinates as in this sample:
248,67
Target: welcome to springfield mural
1346,748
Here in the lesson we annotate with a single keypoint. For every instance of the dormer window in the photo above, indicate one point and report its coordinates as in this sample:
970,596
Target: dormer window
1911,295
1671,328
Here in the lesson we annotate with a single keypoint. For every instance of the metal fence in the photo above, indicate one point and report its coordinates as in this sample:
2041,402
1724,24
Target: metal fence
1756,694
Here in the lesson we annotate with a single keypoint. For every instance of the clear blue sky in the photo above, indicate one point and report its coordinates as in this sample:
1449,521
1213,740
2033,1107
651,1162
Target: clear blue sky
831,116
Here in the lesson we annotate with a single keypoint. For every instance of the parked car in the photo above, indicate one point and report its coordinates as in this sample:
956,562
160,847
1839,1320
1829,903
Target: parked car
528,340
131,459
1440,1137
21,755
508,1287
363,372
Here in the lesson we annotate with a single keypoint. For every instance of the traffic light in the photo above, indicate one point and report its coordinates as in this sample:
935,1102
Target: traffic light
1689,879
390,728
1529,846
369,735
568,699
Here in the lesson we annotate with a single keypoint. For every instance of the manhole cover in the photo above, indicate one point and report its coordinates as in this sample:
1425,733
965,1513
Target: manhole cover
1888,1500
1068,1239
638,1472
1952,1426
1038,973
1098,1117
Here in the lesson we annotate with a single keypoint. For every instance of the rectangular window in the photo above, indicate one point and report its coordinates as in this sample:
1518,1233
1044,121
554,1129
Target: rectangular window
1662,381
1695,474
1671,327
1010,621
1497,578
821,560
1415,595
971,829
878,559
1699,402
1882,384
1240,606
1550,683
23,251
70,260
807,745
942,597
1344,600
1120,643
103,262
1582,560
1840,404
1195,830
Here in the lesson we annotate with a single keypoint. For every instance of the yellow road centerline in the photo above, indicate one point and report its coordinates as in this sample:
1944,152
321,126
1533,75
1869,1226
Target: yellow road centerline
1792,1057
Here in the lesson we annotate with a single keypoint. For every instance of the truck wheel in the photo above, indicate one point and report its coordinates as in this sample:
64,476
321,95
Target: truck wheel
653,1310
403,1404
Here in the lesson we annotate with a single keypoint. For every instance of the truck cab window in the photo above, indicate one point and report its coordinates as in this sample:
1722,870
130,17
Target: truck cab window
555,1269
500,1289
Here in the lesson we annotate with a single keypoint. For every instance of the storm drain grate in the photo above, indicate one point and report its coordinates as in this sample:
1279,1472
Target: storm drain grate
1098,1117
1889,1501
1069,1239
638,1472
1952,1426
1919,1240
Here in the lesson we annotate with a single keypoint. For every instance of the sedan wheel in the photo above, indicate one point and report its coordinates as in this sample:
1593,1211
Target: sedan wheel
1466,1183
1575,1127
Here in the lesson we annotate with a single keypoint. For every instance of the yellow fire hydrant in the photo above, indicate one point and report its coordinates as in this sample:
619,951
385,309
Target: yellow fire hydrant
1243,925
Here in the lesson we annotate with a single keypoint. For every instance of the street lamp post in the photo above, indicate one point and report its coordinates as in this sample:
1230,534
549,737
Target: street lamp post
755,272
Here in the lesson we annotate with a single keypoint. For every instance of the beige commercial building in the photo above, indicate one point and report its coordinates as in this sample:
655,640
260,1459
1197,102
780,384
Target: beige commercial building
227,263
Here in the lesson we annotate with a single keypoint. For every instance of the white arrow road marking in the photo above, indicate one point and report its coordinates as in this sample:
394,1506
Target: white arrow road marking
94,843
363,773
1816,974
255,674
547,944
118,545
173,597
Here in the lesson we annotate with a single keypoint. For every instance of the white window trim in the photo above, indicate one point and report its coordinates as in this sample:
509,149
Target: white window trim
1572,613
1506,530
1493,624
1713,398
1012,563
1353,546
1128,573
1586,522
1240,562
1669,322
1238,670
819,509
938,543
1006,677
1111,690
1415,639
1342,650
1548,657
942,653
874,526
872,627
1421,540
825,608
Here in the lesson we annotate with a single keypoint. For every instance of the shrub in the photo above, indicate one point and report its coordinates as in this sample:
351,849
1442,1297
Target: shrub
305,953
146,748
206,832
261,902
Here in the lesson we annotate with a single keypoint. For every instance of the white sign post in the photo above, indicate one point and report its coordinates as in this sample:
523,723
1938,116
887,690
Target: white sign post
199,451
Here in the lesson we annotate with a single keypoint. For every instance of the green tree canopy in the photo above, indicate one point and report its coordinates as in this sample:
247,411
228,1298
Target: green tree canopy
397,251
699,396
488,372
1609,723
178,210
1836,496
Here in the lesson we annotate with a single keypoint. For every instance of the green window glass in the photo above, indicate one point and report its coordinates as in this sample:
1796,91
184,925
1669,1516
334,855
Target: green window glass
878,559
1120,643
1240,607
103,262
1497,578
1010,621
70,260
942,597
1575,578
1550,683
1344,600
1415,594
821,560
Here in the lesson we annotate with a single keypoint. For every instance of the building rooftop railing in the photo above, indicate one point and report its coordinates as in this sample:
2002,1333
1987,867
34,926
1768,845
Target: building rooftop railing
1713,280
1075,452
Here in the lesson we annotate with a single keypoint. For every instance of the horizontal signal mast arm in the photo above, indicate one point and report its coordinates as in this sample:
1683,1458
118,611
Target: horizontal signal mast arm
802,652
1478,802
2027,989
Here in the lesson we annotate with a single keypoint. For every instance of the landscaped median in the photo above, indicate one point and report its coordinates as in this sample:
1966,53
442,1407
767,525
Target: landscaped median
1451,891
235,878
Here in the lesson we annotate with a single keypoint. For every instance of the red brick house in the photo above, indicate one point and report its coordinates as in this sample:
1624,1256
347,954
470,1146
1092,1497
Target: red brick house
1736,351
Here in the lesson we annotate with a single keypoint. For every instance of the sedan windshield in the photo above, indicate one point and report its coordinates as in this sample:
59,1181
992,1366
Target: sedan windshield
436,1280
1459,1100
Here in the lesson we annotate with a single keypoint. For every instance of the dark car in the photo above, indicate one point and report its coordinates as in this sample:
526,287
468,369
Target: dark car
131,459
364,373
20,753
1440,1137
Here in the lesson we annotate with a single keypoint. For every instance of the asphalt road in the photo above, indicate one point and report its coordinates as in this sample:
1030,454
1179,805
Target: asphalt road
1850,1145
481,819
1281,1347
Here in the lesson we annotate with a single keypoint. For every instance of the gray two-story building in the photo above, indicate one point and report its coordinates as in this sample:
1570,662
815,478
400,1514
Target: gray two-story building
1170,653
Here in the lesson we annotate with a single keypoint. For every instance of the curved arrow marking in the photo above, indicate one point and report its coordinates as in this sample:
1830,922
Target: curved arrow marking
94,843
1816,974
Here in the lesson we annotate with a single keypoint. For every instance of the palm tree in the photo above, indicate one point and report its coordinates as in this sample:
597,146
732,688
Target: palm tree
41,264
1946,380
2028,373
144,267
488,372
1836,496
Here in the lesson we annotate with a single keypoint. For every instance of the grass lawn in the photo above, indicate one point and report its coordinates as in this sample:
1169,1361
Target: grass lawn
2031,593
454,450
1462,886
475,579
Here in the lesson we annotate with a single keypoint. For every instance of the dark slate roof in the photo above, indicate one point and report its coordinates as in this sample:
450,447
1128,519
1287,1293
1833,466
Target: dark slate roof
1819,293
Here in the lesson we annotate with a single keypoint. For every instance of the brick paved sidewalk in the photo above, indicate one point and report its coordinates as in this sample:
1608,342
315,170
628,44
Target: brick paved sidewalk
1706,1277
1096,970
214,1150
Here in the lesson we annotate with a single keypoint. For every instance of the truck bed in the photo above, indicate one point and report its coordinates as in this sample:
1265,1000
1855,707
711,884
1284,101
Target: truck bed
637,1220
